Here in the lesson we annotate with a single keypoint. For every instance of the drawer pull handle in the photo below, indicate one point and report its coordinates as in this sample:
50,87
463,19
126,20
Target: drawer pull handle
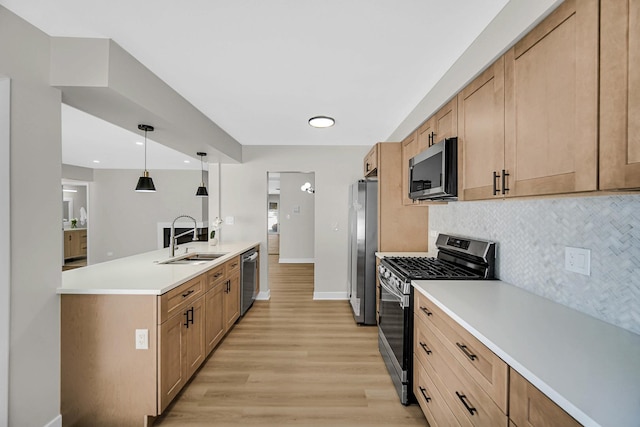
186,294
495,182
427,398
463,399
189,318
425,348
215,276
427,312
466,351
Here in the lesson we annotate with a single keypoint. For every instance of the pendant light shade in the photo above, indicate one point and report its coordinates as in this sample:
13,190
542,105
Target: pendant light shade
202,190
145,183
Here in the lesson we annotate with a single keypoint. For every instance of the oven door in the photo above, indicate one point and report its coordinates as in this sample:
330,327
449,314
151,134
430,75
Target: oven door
395,336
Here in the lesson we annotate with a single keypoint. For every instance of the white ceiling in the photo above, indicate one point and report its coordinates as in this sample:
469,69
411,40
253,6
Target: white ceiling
261,68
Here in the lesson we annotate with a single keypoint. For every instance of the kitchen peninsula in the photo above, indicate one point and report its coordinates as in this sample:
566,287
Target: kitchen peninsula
134,330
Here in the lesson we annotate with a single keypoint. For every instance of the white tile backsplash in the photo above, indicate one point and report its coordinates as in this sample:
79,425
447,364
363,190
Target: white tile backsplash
531,237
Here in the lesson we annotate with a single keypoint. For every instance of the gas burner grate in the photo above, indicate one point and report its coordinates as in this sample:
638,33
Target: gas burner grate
423,268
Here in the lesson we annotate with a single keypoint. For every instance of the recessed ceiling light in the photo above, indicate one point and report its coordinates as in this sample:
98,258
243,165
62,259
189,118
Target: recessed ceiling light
321,121
139,143
69,190
187,161
96,161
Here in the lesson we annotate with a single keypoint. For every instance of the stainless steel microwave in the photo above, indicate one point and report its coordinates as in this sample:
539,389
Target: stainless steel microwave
433,174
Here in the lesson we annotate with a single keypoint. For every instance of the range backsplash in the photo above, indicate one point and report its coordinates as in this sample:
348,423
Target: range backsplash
532,236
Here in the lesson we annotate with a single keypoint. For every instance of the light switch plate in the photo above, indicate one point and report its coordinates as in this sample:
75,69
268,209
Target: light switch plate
230,220
577,260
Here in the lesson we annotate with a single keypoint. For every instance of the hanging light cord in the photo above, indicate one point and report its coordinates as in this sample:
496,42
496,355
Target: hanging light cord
202,168
145,149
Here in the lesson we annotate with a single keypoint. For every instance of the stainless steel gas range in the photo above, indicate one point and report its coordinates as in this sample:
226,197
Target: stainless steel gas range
458,258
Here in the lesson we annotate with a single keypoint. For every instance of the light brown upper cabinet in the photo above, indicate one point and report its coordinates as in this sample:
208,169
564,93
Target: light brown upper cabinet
551,105
620,94
409,149
441,125
481,134
371,162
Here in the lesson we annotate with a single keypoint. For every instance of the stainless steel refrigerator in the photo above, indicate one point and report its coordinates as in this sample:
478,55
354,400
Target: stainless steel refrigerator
363,244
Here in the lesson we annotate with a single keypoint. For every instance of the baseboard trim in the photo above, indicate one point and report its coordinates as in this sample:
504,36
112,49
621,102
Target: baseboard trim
330,296
264,295
297,261
56,422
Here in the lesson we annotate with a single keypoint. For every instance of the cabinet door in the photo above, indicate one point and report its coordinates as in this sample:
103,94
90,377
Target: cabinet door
620,95
481,134
172,372
409,149
528,407
68,236
214,316
232,301
194,337
446,122
551,88
426,136
371,162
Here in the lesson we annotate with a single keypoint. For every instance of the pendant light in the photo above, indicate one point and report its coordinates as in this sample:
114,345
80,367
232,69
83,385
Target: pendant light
202,190
145,183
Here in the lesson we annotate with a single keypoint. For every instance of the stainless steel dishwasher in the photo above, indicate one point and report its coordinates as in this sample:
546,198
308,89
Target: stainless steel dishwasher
248,279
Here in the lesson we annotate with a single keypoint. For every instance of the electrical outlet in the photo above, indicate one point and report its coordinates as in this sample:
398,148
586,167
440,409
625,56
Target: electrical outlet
577,260
142,339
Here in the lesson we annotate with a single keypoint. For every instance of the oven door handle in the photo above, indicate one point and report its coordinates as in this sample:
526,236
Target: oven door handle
403,300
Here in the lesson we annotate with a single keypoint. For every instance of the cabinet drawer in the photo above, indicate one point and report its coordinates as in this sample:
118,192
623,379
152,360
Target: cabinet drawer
232,266
429,398
487,369
176,299
528,406
215,276
465,397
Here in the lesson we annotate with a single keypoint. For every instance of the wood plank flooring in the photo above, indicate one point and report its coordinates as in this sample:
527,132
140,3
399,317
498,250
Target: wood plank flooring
293,361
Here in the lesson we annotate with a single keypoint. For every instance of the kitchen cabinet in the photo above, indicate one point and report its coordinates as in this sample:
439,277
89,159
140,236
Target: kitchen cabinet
214,307
528,407
181,337
481,134
456,367
409,149
619,94
75,243
551,105
232,300
371,162
443,124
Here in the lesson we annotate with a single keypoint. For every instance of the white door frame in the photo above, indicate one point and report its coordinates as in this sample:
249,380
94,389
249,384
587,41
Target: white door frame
5,246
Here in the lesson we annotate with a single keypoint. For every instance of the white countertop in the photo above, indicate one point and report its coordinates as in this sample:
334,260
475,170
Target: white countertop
588,367
142,275
390,254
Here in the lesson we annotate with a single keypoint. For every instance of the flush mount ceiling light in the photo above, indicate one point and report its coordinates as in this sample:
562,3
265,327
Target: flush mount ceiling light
308,188
145,183
321,121
202,190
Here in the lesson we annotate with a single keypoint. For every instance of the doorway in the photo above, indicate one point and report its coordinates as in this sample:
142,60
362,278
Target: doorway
291,234
75,224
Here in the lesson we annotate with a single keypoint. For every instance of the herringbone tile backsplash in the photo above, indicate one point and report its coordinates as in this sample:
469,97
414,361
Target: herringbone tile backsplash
531,237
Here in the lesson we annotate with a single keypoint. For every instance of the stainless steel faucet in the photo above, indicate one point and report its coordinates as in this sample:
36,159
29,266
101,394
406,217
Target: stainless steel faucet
173,243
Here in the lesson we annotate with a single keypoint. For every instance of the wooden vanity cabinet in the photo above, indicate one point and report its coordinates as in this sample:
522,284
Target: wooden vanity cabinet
75,243
619,95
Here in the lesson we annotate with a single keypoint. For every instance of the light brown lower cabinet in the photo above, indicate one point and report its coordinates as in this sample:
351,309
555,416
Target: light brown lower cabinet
106,381
451,393
529,407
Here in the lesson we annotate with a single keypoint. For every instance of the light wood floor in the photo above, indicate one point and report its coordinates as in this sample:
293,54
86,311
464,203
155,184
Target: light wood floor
292,361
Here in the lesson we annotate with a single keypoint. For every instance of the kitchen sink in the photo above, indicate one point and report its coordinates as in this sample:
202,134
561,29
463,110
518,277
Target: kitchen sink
193,259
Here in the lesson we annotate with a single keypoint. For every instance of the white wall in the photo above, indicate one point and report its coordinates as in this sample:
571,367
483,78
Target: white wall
244,195
5,248
124,222
297,221
36,250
